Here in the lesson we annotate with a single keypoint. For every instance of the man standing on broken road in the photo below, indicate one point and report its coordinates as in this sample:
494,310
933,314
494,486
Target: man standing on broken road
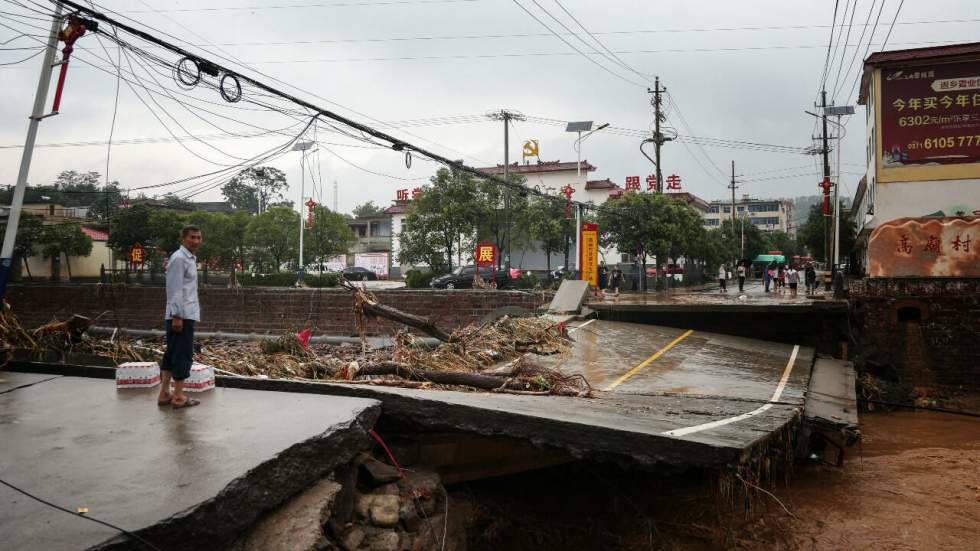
183,311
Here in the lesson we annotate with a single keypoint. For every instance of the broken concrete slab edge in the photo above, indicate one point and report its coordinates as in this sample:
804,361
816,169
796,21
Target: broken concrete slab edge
220,519
648,450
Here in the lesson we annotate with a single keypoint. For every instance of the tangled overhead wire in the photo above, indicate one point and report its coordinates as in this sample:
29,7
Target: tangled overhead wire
188,71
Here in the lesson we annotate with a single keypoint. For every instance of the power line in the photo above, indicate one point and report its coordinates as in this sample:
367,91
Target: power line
847,37
850,65
377,3
572,46
892,26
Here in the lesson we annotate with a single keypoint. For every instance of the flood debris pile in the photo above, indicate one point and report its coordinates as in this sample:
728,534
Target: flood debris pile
497,356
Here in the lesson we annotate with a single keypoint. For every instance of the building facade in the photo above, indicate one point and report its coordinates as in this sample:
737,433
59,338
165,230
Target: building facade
917,209
765,214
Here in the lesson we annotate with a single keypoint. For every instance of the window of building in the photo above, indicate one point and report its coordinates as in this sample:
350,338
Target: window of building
765,221
713,208
764,207
712,222
728,210
870,196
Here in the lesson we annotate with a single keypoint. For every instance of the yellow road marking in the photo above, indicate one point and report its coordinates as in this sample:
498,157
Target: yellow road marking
646,362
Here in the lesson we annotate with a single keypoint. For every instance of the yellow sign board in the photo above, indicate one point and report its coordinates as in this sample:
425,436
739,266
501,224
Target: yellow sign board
589,254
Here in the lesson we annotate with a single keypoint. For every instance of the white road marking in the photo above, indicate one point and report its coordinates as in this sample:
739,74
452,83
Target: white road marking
775,398
577,327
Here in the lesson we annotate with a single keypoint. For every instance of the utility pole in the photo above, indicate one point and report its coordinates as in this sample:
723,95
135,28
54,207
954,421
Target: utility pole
733,187
302,147
507,116
826,170
658,137
17,204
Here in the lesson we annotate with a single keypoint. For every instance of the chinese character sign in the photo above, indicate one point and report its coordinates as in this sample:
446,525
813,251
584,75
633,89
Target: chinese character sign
673,183
931,114
416,192
652,182
486,254
137,255
589,254
925,247
632,183
402,195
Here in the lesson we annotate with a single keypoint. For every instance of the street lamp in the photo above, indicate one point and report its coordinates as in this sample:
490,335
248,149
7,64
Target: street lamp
578,128
302,147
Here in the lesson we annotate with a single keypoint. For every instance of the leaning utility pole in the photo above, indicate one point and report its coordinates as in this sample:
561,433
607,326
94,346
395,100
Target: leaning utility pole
507,116
17,204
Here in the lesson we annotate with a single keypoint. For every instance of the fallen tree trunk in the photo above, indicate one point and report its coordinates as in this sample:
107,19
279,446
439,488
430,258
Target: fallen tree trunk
370,306
465,378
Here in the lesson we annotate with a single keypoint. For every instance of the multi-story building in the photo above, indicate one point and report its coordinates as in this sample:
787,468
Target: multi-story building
918,215
765,214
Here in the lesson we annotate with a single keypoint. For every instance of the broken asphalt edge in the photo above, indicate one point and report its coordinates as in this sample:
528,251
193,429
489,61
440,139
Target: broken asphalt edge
213,523
580,440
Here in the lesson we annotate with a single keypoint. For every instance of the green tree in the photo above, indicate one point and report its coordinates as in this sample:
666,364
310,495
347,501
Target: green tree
29,233
442,220
330,235
811,235
547,226
273,236
65,238
222,239
779,240
494,216
367,210
251,185
175,201
129,227
756,242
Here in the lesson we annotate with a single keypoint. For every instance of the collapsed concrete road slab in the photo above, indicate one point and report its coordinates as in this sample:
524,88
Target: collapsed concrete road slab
189,479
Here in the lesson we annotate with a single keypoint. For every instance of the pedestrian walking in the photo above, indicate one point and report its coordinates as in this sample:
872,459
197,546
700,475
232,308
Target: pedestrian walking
182,313
769,273
781,278
603,277
793,278
616,280
741,276
810,276
722,275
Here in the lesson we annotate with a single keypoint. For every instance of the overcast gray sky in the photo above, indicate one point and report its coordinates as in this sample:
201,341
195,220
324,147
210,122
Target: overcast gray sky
737,70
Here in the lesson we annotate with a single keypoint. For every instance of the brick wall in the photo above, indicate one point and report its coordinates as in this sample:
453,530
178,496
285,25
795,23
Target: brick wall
256,310
940,346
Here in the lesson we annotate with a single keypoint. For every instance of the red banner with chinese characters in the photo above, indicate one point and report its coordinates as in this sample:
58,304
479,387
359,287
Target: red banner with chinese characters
930,114
925,247
137,255
486,255
589,254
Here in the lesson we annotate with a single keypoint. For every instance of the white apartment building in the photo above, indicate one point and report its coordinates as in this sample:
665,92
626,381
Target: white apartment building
765,214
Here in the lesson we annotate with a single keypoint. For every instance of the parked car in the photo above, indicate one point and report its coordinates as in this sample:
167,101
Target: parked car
357,273
462,278
559,272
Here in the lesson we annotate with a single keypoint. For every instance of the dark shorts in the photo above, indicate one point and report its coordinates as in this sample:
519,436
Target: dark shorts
792,285
180,351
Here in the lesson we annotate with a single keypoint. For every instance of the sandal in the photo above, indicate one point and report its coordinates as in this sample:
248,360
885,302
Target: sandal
166,402
189,403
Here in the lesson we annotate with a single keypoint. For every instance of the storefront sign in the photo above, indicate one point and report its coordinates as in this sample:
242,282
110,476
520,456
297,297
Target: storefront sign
926,247
589,254
486,255
931,114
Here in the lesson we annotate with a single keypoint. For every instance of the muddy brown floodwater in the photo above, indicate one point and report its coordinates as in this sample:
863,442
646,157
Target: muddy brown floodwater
913,484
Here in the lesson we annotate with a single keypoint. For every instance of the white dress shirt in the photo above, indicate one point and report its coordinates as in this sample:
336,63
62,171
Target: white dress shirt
182,286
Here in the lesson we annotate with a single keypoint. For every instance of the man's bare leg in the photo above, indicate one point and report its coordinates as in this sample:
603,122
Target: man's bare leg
164,386
179,396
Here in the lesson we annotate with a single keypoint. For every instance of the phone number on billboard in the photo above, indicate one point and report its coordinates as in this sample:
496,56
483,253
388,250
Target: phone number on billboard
950,141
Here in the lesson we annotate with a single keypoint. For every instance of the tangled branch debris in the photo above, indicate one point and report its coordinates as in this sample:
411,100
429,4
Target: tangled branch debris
496,356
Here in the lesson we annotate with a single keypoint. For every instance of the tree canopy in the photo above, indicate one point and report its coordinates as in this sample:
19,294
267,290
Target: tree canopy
442,221
245,190
811,235
367,210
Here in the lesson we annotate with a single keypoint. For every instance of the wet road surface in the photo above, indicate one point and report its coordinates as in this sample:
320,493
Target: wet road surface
648,359
753,293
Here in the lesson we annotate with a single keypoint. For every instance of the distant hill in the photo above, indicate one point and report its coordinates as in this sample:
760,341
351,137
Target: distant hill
803,204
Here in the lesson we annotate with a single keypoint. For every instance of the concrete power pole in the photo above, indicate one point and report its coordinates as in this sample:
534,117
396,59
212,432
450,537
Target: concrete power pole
826,170
17,204
733,187
507,116
658,137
